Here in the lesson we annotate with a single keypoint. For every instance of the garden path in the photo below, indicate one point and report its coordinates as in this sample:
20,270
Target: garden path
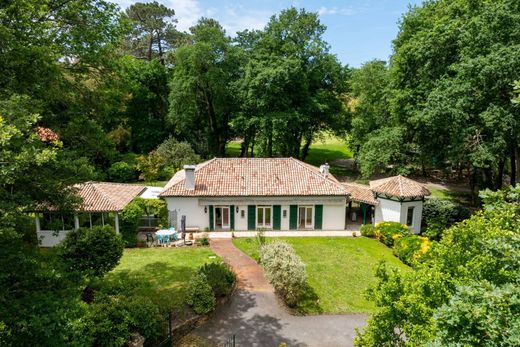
256,317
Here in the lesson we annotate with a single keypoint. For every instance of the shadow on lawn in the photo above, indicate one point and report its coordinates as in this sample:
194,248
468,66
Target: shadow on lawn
309,302
163,283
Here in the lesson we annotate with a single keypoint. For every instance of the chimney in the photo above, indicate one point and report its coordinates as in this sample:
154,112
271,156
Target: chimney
189,171
324,169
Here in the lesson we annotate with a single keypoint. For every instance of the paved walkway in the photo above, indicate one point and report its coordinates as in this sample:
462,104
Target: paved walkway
285,233
256,317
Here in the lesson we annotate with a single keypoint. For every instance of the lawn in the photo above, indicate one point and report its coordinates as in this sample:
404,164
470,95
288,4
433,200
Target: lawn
339,271
327,148
162,273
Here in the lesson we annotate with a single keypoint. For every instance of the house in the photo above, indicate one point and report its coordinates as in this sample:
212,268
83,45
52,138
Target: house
284,194
102,204
256,193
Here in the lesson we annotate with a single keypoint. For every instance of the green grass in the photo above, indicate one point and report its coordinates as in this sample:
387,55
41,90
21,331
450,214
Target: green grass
339,271
162,273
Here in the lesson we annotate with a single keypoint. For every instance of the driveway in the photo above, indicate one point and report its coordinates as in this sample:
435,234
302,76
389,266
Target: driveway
256,318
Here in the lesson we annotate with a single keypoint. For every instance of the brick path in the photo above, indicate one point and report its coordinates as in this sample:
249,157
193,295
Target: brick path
256,317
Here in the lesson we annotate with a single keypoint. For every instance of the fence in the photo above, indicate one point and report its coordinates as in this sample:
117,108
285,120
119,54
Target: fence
169,340
230,342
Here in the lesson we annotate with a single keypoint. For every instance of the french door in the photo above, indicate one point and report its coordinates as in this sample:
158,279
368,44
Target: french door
305,217
222,217
263,217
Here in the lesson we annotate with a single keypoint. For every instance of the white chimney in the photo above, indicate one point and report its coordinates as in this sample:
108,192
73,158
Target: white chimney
324,169
189,171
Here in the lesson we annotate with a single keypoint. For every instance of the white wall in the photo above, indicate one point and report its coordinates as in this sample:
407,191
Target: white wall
417,215
48,238
193,208
388,211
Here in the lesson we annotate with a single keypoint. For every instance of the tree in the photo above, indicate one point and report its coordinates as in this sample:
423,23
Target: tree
176,154
91,251
291,87
202,102
431,303
153,30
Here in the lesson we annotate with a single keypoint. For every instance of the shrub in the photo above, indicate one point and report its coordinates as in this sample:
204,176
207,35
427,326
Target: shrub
122,172
285,270
204,240
219,277
200,294
112,319
177,154
388,232
438,215
368,230
91,252
410,248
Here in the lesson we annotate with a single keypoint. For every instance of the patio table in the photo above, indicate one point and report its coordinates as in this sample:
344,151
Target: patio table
165,236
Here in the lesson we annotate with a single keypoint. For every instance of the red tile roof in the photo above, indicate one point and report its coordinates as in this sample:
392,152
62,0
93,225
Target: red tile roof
107,196
361,193
399,186
255,177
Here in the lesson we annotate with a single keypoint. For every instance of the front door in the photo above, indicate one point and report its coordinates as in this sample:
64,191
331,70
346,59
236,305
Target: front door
222,217
305,217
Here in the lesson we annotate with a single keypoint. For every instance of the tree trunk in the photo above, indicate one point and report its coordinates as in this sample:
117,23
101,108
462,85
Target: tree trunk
161,59
472,184
305,149
244,146
500,175
150,47
513,166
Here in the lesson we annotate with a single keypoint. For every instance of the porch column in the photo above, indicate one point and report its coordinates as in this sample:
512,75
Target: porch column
364,209
76,222
117,222
37,222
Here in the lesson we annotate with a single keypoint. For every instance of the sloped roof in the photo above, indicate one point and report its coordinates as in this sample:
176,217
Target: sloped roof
361,193
107,196
255,177
399,186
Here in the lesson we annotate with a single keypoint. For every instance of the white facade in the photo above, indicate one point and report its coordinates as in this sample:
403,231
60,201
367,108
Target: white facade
398,211
198,211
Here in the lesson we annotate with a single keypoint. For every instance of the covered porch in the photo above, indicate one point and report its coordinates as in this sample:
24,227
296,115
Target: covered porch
360,208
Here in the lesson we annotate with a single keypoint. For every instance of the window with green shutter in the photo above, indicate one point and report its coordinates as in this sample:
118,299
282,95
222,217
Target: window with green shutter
318,217
211,219
277,217
293,217
232,217
251,217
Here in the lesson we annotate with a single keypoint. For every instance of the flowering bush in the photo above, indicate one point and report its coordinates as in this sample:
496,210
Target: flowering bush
368,230
388,232
410,248
285,270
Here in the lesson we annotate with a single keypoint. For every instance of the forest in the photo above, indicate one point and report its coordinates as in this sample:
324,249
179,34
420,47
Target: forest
90,91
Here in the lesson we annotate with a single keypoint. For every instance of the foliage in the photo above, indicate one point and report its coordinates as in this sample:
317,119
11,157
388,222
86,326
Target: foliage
111,320
480,314
122,172
134,211
39,302
150,166
219,276
388,232
200,294
433,301
204,240
368,230
91,251
439,215
410,248
175,154
285,270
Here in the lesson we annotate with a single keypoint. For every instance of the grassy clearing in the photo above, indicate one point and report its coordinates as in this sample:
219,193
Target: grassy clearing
339,271
327,148
162,273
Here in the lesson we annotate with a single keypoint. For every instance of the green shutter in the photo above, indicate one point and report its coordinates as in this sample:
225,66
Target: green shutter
251,217
277,217
232,217
318,217
293,217
211,221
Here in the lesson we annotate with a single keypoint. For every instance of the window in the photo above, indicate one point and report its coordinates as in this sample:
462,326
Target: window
56,221
284,213
409,216
263,216
242,213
